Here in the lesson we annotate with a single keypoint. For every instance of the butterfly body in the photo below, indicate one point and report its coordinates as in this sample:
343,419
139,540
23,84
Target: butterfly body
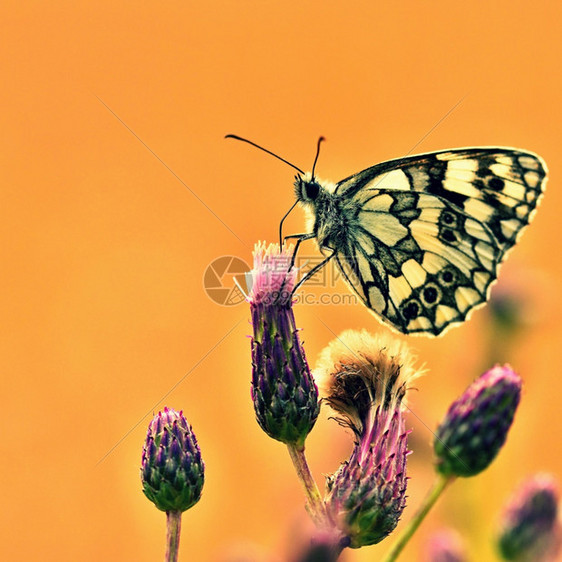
330,218
420,239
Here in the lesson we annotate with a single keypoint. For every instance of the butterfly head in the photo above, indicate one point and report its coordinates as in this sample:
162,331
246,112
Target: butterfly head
307,188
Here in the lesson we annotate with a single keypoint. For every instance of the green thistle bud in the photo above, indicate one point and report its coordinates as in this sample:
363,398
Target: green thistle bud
366,380
506,308
172,471
283,391
529,530
476,425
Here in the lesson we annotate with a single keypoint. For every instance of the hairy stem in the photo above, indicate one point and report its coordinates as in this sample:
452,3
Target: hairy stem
173,529
316,506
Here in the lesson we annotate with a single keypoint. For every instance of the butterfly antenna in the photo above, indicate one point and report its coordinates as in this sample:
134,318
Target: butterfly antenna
265,150
317,155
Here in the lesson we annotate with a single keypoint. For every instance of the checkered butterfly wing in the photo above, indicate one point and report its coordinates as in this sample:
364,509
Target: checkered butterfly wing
427,233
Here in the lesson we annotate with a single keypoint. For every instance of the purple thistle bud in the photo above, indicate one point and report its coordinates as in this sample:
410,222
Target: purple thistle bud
476,425
326,546
172,471
366,379
446,546
283,391
529,529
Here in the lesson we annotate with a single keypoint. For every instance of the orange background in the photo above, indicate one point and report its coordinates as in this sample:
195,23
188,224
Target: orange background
105,318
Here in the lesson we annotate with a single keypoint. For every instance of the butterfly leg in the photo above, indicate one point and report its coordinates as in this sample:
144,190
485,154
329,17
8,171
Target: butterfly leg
313,271
300,238
282,221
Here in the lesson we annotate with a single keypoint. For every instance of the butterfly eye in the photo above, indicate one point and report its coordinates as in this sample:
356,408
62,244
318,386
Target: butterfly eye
311,190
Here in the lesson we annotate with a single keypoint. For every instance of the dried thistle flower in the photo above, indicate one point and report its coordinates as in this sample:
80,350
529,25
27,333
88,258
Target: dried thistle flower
283,391
172,470
529,529
476,424
366,378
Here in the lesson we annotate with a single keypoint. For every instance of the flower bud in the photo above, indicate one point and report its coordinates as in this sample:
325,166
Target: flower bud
283,391
529,530
326,546
446,546
476,425
172,471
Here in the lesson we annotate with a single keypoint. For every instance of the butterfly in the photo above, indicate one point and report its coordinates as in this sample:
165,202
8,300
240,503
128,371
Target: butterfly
420,239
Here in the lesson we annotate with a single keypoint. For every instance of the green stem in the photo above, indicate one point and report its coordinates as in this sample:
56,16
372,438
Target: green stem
316,506
173,530
440,484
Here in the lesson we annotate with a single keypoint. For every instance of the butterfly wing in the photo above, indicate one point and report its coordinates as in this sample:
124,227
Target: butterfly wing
427,233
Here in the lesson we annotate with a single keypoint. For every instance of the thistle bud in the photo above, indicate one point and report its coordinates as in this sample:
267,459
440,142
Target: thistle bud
476,425
446,546
529,529
326,546
283,391
366,379
172,470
